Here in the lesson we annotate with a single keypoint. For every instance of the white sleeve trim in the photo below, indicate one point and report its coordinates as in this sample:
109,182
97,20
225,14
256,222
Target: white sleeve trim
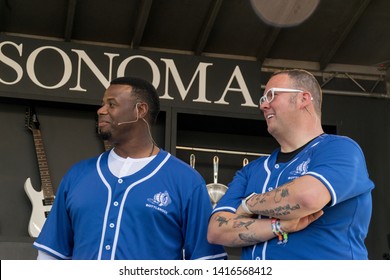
43,256
328,185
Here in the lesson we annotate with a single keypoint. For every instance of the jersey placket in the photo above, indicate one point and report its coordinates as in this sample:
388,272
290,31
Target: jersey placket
118,189
276,172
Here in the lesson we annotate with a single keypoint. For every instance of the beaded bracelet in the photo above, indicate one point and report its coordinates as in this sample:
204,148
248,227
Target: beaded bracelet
282,236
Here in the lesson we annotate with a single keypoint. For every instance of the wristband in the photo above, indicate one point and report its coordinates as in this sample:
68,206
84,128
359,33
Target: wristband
276,229
244,206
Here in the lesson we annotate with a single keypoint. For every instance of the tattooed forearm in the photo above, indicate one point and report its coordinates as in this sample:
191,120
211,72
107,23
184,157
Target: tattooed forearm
259,199
279,211
239,224
242,225
277,196
280,193
248,237
221,220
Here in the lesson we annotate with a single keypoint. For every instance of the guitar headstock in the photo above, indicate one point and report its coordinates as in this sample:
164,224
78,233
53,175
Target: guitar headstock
31,119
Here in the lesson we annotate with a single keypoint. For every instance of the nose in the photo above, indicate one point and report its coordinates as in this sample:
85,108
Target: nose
263,106
102,110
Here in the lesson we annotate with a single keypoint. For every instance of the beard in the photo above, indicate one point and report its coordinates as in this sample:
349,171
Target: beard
104,135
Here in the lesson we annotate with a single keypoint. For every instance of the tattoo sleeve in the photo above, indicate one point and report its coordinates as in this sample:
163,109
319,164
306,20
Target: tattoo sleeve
246,236
277,198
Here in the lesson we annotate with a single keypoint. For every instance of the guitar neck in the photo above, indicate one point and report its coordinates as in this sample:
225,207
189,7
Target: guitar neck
47,187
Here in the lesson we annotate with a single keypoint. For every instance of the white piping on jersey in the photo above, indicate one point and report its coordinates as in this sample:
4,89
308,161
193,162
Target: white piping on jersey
124,200
268,175
264,190
334,200
280,174
122,203
107,206
277,182
51,251
211,257
232,209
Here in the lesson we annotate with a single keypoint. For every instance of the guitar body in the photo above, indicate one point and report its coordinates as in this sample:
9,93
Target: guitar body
43,200
39,209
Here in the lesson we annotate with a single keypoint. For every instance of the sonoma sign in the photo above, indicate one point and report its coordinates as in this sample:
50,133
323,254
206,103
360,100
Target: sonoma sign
59,71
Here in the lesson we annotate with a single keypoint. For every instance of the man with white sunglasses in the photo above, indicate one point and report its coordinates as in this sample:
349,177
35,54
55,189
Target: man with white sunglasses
311,198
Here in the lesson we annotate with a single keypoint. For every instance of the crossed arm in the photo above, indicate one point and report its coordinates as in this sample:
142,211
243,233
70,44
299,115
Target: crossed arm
297,204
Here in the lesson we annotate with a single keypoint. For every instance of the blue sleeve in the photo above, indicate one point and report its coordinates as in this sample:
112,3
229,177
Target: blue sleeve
340,165
245,182
56,237
197,213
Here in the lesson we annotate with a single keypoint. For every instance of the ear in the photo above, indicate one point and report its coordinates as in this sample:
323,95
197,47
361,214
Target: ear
143,109
306,97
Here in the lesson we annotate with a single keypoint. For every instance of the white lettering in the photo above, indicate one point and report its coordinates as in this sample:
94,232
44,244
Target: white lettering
201,70
84,57
31,71
12,63
153,66
77,63
242,88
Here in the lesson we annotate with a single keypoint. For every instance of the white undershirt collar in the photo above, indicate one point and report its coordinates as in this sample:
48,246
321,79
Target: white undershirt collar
122,167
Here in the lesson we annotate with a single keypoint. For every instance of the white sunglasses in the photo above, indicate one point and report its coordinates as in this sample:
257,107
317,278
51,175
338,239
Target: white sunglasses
270,94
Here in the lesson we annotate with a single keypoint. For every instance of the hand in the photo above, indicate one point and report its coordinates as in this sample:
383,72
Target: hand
299,223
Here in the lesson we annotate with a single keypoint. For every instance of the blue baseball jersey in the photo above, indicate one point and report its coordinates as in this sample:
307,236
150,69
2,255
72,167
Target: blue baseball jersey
338,162
160,212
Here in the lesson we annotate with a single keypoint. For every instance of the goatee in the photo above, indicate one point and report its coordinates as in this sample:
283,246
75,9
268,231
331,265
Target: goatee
104,135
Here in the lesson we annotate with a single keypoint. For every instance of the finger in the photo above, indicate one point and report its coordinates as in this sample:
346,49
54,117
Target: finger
316,215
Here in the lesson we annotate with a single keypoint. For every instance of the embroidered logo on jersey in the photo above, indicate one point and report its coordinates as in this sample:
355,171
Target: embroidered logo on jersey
161,199
301,169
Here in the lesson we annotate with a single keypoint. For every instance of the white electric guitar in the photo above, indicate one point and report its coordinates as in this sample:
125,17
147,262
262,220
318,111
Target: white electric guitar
41,200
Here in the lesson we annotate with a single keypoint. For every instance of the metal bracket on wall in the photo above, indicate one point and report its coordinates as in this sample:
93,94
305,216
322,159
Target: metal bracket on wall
220,151
355,73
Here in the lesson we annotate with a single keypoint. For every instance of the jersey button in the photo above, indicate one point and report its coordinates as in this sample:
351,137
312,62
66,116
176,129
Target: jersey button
112,225
116,203
276,166
108,247
120,181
